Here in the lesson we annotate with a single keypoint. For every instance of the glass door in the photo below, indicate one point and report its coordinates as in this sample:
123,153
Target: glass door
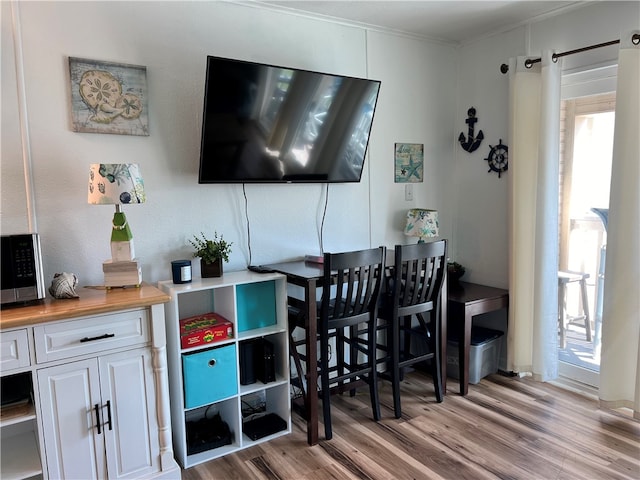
585,177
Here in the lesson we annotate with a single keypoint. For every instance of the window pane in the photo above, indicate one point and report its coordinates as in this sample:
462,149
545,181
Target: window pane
593,146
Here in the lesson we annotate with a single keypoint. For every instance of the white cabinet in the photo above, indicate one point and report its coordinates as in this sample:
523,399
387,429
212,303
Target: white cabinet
96,375
98,419
130,428
67,395
213,379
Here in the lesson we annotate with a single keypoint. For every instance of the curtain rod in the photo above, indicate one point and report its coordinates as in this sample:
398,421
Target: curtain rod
528,63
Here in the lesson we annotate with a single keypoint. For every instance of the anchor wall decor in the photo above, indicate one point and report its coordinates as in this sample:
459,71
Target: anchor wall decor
472,142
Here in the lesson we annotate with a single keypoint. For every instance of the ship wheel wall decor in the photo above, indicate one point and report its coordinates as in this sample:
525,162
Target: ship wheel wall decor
498,158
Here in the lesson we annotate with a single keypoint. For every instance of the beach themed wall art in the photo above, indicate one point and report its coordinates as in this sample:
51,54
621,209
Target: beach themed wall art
108,97
409,162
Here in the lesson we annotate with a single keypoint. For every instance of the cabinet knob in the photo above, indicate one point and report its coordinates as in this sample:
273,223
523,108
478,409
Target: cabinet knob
212,362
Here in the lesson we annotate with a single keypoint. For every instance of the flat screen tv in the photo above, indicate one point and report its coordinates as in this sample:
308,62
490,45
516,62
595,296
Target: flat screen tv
269,124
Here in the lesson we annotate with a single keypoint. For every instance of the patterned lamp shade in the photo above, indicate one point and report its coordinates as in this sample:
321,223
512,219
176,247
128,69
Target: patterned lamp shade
421,223
115,183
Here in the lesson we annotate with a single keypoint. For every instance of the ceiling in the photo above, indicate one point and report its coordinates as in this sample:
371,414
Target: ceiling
450,21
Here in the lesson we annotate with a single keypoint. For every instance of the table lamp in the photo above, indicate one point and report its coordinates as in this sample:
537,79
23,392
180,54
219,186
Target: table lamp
421,223
117,184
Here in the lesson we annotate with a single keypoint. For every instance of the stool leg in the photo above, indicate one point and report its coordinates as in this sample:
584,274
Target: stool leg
373,374
561,315
324,375
585,307
395,367
295,355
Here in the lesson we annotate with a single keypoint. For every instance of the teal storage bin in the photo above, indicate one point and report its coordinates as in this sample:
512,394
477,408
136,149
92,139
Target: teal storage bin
256,305
209,376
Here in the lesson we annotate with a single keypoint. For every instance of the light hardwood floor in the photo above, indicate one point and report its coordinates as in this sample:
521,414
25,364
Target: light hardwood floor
506,428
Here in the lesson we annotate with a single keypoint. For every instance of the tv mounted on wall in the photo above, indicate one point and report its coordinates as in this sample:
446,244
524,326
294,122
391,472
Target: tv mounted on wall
269,124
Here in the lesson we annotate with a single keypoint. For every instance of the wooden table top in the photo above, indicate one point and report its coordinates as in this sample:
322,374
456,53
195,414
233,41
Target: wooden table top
466,292
92,301
299,269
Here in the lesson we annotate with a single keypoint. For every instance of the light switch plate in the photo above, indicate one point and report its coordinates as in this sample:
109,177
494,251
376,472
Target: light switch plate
408,192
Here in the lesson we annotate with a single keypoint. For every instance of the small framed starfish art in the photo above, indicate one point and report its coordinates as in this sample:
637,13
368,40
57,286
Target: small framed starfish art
409,162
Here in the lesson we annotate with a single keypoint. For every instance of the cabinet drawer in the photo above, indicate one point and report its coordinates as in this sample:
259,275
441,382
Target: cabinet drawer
209,376
90,335
14,350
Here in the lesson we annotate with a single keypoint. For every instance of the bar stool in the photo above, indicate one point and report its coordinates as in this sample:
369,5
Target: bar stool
418,275
564,278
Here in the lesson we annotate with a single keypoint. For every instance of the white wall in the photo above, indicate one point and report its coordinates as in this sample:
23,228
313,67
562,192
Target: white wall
480,198
418,83
426,91
172,40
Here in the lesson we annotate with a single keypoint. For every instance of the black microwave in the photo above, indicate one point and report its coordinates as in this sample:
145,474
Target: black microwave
22,279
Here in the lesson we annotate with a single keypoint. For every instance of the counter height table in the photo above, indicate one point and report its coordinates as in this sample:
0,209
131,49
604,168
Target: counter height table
307,275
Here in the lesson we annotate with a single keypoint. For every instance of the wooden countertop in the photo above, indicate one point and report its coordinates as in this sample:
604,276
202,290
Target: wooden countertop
91,302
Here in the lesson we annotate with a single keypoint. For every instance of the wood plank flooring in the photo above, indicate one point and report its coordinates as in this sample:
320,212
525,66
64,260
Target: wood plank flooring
507,428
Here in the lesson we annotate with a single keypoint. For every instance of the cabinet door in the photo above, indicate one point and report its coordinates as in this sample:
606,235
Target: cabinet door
132,442
68,395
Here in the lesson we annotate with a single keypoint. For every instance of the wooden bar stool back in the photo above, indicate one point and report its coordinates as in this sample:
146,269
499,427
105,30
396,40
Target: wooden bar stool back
351,290
418,275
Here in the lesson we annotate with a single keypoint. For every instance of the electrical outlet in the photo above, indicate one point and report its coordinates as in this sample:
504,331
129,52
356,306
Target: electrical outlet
408,192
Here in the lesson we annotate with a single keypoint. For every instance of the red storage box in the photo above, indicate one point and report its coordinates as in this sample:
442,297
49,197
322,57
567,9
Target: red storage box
204,329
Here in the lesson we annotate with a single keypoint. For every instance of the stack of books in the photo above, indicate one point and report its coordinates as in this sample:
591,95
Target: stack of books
122,274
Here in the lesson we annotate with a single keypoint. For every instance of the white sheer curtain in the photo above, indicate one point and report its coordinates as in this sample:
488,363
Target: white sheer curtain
534,130
620,360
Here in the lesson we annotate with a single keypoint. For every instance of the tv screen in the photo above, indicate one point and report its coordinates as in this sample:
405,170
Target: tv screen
264,123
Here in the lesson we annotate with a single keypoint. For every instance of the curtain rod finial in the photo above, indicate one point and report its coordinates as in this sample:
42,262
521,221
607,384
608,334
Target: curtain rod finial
504,68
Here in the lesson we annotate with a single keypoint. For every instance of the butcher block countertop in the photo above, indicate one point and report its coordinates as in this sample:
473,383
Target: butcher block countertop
92,301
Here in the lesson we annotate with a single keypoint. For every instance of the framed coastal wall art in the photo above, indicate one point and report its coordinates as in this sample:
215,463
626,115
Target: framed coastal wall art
108,97
409,162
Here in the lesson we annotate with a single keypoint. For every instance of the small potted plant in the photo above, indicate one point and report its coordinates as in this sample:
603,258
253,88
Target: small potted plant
212,253
455,271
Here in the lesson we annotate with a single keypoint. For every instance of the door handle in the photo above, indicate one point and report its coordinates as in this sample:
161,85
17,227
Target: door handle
96,407
101,337
109,414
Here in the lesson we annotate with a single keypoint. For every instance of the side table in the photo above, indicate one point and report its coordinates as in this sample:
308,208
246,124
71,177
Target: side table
465,301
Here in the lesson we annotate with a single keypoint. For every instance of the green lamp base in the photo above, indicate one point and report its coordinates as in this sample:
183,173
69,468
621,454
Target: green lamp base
121,239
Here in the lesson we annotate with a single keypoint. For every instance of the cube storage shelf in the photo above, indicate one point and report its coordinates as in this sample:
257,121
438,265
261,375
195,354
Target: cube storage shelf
204,381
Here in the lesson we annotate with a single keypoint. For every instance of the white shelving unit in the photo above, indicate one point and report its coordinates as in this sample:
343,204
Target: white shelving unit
20,452
256,304
18,422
